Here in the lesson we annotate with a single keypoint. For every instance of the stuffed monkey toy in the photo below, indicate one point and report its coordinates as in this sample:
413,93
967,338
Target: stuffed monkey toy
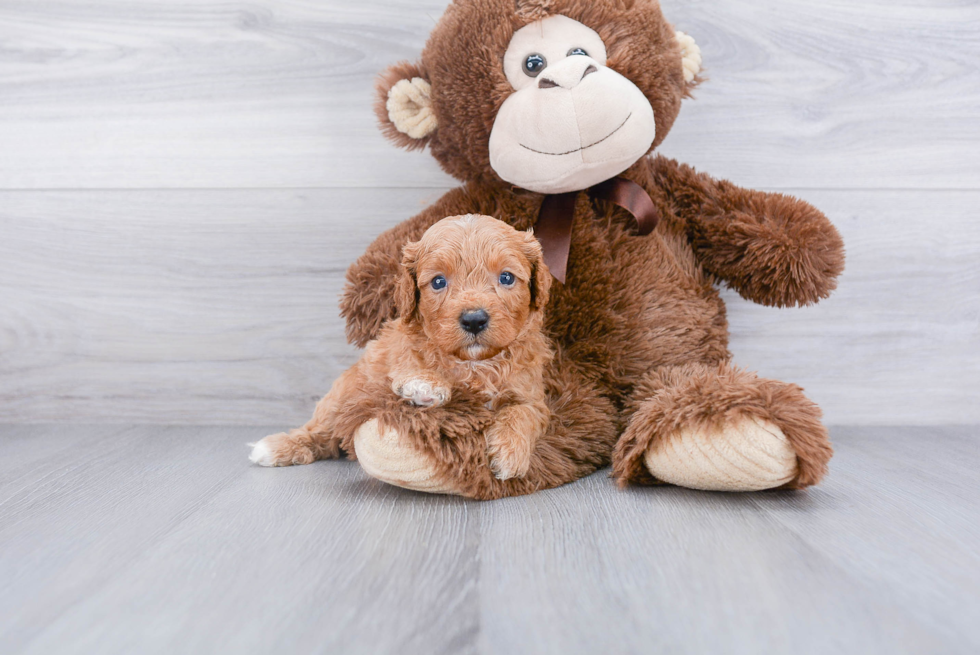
549,113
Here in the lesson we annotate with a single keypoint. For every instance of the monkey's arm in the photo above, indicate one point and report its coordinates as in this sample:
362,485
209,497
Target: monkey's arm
368,298
771,248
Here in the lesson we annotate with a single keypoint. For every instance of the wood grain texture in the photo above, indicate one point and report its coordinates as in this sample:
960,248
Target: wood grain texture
172,533
164,539
204,94
866,563
220,307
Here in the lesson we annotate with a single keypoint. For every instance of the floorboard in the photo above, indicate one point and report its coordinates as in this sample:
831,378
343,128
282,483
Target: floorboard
163,539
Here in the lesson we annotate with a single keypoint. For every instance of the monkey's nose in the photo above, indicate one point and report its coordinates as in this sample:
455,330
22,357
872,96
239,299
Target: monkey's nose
474,321
567,74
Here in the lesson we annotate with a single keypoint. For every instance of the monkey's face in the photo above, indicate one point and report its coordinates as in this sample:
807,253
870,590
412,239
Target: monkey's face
571,122
547,95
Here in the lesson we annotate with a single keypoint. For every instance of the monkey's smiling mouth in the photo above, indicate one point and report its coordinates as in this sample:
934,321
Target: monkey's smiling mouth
557,154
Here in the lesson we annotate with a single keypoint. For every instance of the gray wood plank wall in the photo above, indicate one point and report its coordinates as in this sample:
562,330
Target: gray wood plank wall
183,183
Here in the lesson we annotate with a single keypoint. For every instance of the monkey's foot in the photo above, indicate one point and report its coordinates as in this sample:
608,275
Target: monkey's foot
719,428
385,455
749,455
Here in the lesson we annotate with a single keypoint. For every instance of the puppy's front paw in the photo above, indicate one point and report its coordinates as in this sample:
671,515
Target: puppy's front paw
422,392
510,454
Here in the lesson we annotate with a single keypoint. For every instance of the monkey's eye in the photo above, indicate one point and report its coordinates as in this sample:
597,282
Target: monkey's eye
507,278
534,64
577,51
438,282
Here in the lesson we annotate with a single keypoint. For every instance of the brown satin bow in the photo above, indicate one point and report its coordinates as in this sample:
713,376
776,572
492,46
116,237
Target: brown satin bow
554,226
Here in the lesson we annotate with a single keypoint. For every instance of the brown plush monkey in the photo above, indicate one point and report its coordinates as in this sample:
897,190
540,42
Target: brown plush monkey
549,111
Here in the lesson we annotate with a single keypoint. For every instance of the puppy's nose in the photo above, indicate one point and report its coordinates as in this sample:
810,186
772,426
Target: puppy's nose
474,321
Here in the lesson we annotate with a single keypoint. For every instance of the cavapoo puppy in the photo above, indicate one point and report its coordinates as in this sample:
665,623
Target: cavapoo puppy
471,301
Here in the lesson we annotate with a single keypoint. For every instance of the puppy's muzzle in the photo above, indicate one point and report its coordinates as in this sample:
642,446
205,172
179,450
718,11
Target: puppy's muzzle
474,321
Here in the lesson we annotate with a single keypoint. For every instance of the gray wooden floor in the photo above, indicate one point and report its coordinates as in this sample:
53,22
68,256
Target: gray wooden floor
165,539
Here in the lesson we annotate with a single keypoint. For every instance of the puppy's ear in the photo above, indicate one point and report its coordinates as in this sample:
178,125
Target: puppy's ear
540,275
407,291
404,105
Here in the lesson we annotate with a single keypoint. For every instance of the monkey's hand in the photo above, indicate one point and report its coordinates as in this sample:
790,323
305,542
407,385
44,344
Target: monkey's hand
771,248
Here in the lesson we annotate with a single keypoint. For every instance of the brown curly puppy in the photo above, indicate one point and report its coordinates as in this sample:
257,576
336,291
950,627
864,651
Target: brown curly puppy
471,299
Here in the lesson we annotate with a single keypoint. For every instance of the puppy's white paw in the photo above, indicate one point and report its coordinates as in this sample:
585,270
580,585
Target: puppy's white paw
261,453
284,449
422,392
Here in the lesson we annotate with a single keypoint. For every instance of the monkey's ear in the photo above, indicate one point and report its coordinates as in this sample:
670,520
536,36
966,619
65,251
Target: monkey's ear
404,105
690,57
540,275
407,290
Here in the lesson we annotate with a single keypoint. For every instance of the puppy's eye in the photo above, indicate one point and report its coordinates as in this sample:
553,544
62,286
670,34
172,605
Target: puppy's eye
438,282
534,64
577,51
507,278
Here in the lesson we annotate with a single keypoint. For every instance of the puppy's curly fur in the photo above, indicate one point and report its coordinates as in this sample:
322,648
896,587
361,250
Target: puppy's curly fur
461,265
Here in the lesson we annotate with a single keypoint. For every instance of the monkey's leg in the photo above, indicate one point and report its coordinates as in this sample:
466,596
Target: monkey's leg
715,427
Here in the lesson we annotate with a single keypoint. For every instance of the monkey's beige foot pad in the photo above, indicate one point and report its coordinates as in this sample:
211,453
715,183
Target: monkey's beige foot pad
750,455
386,456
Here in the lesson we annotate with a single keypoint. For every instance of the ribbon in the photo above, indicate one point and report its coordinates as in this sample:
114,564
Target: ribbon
554,226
